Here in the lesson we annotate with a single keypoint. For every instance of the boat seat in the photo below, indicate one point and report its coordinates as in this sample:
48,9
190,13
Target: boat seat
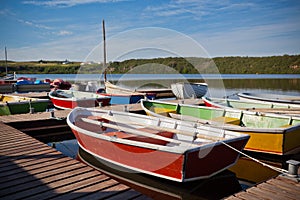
163,111
133,137
227,120
285,126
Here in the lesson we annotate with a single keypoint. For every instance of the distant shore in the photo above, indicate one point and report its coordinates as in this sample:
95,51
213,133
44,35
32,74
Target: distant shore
286,64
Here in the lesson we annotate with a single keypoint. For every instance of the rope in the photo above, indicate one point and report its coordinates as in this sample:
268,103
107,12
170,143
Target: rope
258,161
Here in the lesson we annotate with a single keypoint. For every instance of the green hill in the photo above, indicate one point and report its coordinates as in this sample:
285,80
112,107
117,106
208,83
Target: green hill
286,64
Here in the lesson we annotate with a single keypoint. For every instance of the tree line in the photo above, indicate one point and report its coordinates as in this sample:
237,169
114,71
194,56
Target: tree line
285,64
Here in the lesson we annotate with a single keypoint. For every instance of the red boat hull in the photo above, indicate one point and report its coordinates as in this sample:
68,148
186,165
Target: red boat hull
70,104
191,165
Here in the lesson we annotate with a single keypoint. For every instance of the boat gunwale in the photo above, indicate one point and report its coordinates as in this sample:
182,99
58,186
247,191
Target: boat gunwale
97,96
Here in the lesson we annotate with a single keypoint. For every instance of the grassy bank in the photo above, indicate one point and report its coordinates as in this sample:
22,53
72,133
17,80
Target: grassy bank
286,64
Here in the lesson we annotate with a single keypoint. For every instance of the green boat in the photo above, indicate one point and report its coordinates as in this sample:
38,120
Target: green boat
257,106
270,133
11,104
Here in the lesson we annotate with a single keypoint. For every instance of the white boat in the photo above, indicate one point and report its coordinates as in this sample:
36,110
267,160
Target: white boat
268,97
167,148
189,90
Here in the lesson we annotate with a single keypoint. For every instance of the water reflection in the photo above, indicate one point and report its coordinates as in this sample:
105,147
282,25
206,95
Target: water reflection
245,173
217,187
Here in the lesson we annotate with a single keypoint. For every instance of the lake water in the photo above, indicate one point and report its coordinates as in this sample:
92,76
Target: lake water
219,85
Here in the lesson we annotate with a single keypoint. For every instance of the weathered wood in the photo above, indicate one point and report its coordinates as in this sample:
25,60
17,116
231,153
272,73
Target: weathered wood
275,188
32,170
283,192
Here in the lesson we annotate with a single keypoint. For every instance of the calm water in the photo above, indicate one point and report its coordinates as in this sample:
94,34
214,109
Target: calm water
242,175
226,84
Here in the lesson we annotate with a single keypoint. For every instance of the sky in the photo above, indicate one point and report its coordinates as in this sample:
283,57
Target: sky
72,29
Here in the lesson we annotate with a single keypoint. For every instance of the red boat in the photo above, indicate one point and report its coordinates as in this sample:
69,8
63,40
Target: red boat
69,99
59,84
167,148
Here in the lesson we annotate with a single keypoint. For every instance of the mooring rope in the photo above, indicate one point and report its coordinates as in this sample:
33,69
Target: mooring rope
258,161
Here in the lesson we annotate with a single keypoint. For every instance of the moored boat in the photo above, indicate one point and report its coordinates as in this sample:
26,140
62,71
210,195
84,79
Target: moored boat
11,104
69,99
184,90
257,106
167,148
273,98
24,85
270,133
120,95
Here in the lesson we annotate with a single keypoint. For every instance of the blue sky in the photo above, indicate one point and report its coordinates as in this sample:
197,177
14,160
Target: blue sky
71,29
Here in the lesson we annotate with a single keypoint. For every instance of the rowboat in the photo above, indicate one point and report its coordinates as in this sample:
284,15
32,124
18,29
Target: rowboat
184,90
270,133
166,148
69,99
24,85
121,95
257,106
11,104
6,87
273,98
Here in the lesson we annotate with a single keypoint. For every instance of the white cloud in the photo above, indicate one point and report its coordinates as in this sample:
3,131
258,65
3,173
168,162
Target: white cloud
64,33
194,8
66,3
36,25
260,40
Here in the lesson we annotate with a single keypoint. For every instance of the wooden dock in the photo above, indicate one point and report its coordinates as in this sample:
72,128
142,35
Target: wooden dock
276,188
32,170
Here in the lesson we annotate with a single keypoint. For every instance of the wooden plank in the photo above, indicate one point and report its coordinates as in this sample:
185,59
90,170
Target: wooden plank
112,187
283,185
19,144
127,194
285,193
52,166
265,193
36,155
26,164
25,150
84,180
51,153
248,196
38,182
233,198
41,187
288,181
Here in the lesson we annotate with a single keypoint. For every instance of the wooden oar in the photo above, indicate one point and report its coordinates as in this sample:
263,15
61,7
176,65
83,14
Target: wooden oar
212,138
134,131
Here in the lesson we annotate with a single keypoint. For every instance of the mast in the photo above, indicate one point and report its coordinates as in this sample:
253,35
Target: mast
104,50
5,60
